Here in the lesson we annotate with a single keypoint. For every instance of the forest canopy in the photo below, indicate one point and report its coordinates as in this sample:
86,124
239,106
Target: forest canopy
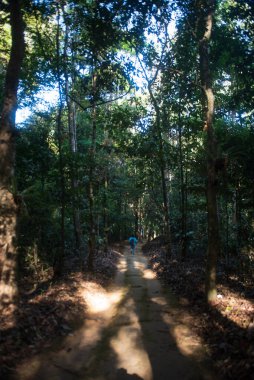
151,131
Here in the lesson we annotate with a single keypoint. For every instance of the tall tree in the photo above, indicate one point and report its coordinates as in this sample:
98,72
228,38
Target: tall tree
155,61
58,264
72,128
8,201
206,20
92,235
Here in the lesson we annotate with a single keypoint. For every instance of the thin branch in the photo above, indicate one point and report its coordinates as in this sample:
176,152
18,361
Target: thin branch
193,32
39,39
183,75
151,81
162,56
84,108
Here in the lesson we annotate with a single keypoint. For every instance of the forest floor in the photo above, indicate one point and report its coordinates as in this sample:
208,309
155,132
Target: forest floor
132,329
48,310
91,327
227,327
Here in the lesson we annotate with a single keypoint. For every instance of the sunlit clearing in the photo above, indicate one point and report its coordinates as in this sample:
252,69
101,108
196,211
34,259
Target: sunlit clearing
97,302
128,346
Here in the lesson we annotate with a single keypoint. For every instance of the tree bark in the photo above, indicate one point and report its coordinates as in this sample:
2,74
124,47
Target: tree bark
73,151
58,262
8,205
167,226
92,234
74,184
182,190
105,213
211,149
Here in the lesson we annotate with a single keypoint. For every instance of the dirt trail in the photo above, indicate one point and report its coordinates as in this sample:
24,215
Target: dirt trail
135,330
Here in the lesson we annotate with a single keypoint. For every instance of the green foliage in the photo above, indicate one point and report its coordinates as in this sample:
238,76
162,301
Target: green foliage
102,40
5,42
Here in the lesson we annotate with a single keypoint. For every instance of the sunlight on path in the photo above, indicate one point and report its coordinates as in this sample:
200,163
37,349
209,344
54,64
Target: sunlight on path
98,302
134,330
128,346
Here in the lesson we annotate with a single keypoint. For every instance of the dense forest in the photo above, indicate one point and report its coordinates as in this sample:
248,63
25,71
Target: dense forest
125,117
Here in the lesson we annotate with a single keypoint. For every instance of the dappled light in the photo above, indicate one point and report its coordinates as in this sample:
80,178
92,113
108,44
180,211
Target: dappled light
127,344
148,274
128,330
223,326
126,190
139,265
233,306
185,342
122,266
100,301
159,300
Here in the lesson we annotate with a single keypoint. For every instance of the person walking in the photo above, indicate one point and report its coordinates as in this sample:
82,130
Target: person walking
133,242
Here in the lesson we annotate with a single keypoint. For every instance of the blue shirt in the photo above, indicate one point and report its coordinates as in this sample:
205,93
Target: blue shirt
133,240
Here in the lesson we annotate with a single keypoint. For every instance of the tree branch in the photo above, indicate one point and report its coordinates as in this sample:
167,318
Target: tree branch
84,108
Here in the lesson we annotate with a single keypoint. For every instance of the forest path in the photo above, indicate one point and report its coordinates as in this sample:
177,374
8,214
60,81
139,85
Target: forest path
135,330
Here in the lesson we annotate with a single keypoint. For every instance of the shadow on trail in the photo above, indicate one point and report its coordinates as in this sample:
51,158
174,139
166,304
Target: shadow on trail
172,349
229,344
136,338
122,374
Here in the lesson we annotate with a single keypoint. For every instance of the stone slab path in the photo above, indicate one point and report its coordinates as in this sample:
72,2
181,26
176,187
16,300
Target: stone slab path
134,330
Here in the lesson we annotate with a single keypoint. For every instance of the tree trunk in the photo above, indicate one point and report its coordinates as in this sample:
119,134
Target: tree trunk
58,262
136,217
105,213
92,235
8,205
182,190
120,206
165,206
238,221
73,150
213,224
163,176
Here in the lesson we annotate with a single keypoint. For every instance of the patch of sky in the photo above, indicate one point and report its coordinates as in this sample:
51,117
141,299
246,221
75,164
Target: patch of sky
151,36
44,99
48,97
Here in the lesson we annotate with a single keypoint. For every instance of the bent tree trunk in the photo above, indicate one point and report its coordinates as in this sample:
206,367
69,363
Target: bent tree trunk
206,83
8,205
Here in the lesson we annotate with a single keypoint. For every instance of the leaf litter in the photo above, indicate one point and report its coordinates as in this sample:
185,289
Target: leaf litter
51,311
226,327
